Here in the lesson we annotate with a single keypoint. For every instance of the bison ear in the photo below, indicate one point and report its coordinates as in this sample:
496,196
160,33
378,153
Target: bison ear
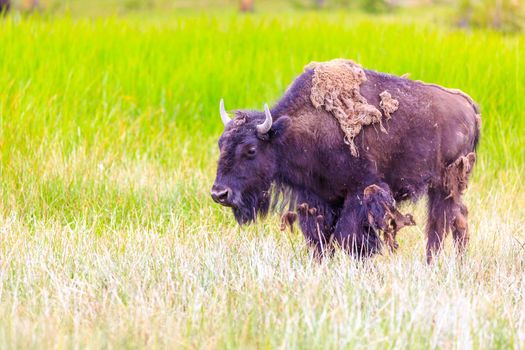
279,127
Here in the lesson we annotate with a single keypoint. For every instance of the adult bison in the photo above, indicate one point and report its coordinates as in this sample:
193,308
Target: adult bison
344,145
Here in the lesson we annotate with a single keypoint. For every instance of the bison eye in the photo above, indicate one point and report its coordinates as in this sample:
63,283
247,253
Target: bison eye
250,152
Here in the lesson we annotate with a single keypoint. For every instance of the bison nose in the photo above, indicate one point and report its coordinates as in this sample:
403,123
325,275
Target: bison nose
221,195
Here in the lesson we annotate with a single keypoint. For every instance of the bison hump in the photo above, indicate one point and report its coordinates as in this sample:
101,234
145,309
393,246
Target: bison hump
336,88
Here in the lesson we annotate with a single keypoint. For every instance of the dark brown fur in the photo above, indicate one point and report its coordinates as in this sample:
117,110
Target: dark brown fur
430,140
383,215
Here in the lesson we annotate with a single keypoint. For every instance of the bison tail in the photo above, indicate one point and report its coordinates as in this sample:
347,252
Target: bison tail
478,125
476,139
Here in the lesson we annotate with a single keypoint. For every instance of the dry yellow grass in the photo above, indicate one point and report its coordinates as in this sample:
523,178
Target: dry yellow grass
207,283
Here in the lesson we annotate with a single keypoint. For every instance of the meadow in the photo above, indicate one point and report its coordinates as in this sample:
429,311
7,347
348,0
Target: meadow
108,146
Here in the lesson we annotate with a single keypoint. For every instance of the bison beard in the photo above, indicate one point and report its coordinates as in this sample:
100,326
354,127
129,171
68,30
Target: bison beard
252,204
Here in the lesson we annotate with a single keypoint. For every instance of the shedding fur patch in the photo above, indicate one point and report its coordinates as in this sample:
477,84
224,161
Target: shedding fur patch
382,214
457,175
388,104
335,87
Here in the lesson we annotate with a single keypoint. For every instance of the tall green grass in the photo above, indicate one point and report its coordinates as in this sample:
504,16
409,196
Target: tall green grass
118,90
108,134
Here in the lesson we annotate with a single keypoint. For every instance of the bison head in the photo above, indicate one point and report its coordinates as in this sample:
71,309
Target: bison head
248,162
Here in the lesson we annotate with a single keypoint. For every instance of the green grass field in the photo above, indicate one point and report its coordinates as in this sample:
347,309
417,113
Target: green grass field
108,237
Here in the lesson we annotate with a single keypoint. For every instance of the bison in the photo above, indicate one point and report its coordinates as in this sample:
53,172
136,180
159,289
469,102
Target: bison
345,190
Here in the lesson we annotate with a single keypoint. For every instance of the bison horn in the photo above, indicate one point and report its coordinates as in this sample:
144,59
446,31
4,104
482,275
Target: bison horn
267,124
224,115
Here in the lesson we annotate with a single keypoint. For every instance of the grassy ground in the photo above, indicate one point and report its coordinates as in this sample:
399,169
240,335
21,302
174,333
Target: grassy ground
108,237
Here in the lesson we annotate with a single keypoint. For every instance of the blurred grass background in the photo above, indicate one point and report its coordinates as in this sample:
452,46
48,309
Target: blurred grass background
128,90
108,128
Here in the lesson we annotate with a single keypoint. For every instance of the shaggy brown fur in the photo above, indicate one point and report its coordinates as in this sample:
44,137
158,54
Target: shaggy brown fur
313,221
383,215
388,104
457,175
335,86
288,220
455,182
396,222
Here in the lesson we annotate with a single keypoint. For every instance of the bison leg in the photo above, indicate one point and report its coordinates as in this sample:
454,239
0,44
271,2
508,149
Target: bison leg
455,182
438,207
353,231
445,214
316,220
446,210
460,228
